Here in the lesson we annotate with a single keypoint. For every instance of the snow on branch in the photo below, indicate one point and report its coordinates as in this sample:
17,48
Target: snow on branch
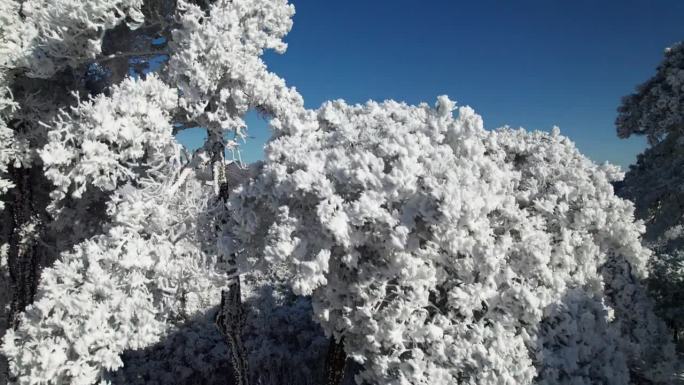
657,107
107,141
124,289
45,36
217,67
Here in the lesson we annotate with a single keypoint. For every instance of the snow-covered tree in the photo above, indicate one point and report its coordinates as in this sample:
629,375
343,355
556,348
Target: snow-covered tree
656,109
654,183
122,289
46,50
114,149
217,67
45,47
439,252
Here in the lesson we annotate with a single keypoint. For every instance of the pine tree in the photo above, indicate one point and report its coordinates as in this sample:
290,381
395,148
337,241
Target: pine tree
656,110
436,251
86,141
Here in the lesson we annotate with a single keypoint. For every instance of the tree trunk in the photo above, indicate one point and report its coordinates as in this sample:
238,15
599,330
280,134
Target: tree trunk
22,260
22,232
231,315
335,362
231,321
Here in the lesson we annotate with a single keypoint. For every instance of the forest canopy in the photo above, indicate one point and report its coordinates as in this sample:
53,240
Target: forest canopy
376,243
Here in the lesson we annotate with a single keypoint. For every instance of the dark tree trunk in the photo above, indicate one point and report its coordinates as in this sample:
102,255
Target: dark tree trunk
23,228
231,316
335,362
23,260
231,321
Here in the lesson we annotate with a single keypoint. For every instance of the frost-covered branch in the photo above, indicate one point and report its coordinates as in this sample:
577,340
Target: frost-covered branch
107,141
657,107
52,34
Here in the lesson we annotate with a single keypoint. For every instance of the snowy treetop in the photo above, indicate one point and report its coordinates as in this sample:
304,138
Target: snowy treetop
657,107
439,250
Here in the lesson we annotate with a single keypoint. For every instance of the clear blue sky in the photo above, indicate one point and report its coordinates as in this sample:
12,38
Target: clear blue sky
524,63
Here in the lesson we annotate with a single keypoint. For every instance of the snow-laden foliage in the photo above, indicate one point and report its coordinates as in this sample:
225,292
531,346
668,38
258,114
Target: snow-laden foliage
16,33
154,265
13,42
120,290
445,253
217,67
8,145
595,228
654,182
657,107
120,143
107,141
45,36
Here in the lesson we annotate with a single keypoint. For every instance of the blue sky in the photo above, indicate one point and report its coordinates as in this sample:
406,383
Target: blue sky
525,63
